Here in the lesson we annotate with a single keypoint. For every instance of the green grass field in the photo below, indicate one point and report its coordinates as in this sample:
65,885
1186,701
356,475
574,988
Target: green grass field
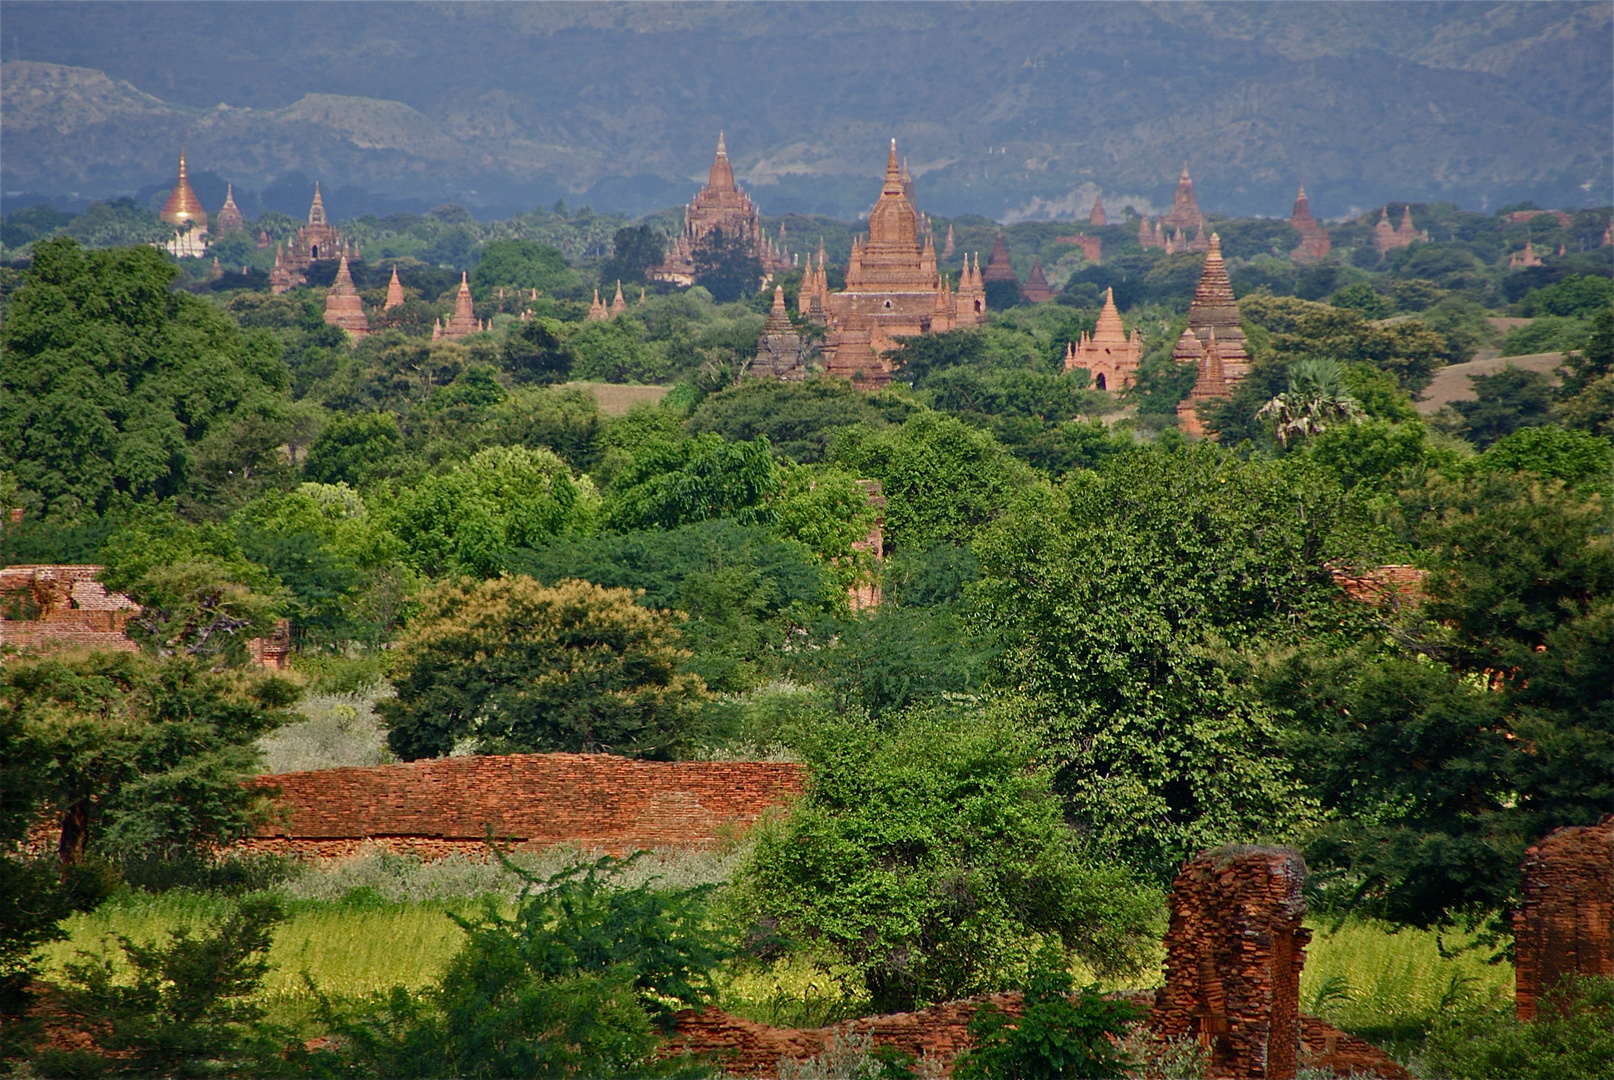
1384,985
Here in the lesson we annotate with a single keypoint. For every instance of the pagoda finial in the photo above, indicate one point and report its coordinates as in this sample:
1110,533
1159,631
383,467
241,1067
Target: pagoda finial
721,148
893,169
1185,175
316,210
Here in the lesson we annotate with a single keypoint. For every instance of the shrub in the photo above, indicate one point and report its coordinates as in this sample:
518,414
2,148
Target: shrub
514,666
1572,1036
1053,1038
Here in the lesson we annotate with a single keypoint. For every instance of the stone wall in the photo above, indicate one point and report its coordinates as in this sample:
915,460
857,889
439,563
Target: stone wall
600,801
43,607
1562,927
1234,952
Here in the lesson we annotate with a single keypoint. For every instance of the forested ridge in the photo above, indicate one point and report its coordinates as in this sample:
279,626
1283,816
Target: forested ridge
1100,646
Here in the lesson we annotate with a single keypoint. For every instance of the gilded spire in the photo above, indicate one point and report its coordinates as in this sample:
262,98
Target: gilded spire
183,208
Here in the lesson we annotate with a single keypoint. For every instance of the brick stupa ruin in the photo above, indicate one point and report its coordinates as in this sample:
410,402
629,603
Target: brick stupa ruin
720,205
343,307
893,289
1314,242
998,265
395,293
229,217
1388,239
1108,355
781,354
463,322
1215,311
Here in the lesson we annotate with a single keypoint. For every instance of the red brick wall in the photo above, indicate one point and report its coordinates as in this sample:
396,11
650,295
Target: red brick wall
1234,952
1562,927
533,800
72,609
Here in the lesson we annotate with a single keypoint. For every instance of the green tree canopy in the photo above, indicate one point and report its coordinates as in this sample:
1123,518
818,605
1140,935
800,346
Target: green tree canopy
514,666
524,264
943,480
668,483
726,267
634,250
1112,598
800,419
505,497
112,382
930,856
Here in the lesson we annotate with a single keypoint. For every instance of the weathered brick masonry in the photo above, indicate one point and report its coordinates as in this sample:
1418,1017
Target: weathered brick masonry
62,607
1562,927
1234,952
435,808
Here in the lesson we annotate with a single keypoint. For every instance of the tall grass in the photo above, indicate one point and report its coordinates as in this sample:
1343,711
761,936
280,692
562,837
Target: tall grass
1388,986
339,729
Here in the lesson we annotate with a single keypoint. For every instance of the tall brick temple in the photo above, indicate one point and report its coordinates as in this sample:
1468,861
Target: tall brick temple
893,289
314,242
719,205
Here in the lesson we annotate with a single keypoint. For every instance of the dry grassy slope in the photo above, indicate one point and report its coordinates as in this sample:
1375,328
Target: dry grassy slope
1367,102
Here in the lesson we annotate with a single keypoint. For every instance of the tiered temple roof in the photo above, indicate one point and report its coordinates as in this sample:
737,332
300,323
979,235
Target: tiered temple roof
1314,242
229,217
1388,239
1036,290
342,304
998,266
1211,385
893,289
1108,354
1215,313
463,323
719,205
780,352
395,293
1184,207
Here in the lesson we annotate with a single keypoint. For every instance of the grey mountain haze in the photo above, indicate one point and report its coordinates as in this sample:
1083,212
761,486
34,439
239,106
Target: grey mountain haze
1009,110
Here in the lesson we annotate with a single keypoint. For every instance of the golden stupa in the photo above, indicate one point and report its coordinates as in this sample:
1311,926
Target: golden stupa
183,207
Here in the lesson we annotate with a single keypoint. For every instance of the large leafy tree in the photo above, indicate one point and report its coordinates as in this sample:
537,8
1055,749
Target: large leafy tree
943,480
634,250
524,264
512,665
1461,728
672,482
142,758
1113,599
726,267
468,519
930,856
113,383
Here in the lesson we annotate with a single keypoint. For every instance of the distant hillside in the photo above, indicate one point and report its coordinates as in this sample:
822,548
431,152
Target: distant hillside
1009,110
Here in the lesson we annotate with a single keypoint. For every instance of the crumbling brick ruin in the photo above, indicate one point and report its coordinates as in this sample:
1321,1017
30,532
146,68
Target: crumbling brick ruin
1562,927
1233,957
62,607
595,801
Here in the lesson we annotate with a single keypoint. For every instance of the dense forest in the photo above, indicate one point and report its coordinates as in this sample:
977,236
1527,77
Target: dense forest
1100,646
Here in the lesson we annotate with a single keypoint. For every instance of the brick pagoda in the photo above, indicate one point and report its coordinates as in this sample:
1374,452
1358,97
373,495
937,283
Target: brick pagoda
719,205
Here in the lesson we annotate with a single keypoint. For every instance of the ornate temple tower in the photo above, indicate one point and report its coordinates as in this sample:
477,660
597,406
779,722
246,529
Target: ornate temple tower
315,241
463,322
1212,385
1184,207
1097,216
893,290
719,205
395,293
998,266
343,307
229,217
780,351
1314,242
1108,355
1214,312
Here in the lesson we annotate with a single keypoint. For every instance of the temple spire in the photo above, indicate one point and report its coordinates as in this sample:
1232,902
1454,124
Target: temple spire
721,178
316,212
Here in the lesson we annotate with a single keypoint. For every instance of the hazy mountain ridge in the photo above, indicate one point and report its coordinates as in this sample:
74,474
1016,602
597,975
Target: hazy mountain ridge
1478,103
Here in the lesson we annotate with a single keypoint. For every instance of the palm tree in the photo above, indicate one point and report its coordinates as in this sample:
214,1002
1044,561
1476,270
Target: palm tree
1316,399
